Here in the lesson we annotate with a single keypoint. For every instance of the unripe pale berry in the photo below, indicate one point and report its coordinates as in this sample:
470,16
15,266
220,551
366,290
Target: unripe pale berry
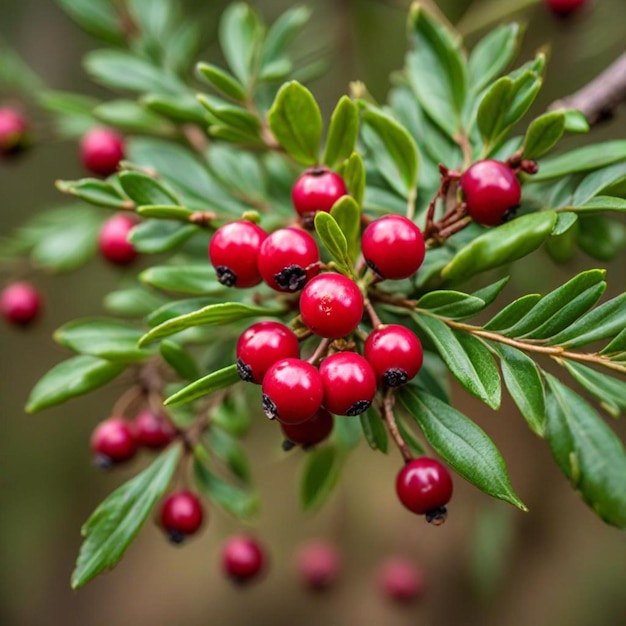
113,240
393,247
233,253
310,433
288,259
20,303
400,581
292,391
261,345
317,189
491,191
101,150
395,354
112,442
331,305
349,383
563,8
243,559
153,430
13,131
181,515
424,486
318,565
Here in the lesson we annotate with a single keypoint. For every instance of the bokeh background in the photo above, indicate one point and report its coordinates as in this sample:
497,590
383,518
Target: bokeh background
489,565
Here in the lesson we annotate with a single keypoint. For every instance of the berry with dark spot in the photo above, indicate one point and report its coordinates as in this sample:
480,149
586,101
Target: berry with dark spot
243,559
181,515
112,442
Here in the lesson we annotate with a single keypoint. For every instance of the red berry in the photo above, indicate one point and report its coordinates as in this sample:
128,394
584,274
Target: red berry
260,346
395,354
309,433
331,305
349,383
318,565
242,558
20,303
113,241
13,131
424,486
101,150
563,8
317,189
288,259
181,515
400,581
112,442
393,247
491,191
292,391
233,253
153,430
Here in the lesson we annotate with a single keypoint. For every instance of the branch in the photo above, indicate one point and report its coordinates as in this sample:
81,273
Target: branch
392,427
599,99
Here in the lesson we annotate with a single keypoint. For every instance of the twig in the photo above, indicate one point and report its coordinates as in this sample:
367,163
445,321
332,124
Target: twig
392,427
371,311
320,351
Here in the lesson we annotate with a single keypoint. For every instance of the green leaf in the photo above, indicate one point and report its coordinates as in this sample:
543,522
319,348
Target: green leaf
342,132
374,430
543,134
231,165
575,121
215,381
192,279
334,240
113,340
489,293
133,302
238,502
468,359
145,189
347,214
523,380
243,122
462,444
211,315
179,360
610,392
165,212
346,433
175,308
354,175
598,183
130,117
601,237
233,414
588,452
512,313
437,70
222,81
226,447
115,523
69,379
96,17
499,246
180,108
617,345
602,203
320,474
392,149
283,32
451,304
582,159
95,191
154,235
296,121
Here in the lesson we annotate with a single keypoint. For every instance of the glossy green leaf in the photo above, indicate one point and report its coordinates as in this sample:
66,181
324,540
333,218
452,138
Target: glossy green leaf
462,444
191,279
616,345
451,304
69,379
575,121
543,134
226,447
179,360
222,81
115,523
602,203
502,245
346,433
176,308
319,476
153,235
96,17
180,108
588,452
283,32
240,503
130,117
564,222
240,119
296,121
354,175
489,293
334,240
374,430
232,166
113,340
523,381
133,302
468,359
204,386
165,212
347,214
144,189
598,183
343,132
95,191
513,312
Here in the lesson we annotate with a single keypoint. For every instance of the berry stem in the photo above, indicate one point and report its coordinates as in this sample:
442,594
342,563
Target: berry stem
127,399
371,311
320,351
392,427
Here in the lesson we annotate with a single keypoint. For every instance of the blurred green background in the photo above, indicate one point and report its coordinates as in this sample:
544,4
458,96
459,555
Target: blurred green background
489,565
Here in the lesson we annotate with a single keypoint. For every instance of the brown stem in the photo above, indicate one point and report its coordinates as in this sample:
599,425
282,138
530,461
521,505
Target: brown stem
371,311
126,400
392,427
320,351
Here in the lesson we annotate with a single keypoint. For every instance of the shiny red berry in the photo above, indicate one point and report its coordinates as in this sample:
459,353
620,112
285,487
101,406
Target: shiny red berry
181,515
292,391
260,346
288,259
349,383
424,486
153,430
233,252
112,442
400,581
101,150
243,558
310,433
13,132
331,305
318,565
317,189
20,303
563,8
395,354
113,241
393,247
491,191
